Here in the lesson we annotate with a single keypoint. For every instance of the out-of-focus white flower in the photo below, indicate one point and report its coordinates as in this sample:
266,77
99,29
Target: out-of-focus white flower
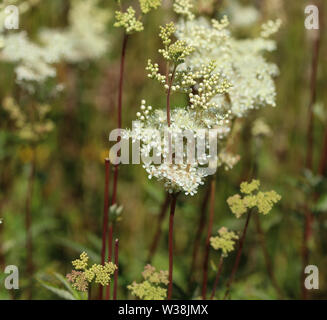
241,62
242,16
85,38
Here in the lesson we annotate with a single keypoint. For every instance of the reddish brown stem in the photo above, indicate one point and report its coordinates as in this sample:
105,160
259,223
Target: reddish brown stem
28,225
89,293
116,271
323,158
220,267
110,235
105,218
199,231
156,238
171,245
309,156
209,233
238,255
267,257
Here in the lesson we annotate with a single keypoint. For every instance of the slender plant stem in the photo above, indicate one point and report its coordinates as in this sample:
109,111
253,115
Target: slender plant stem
89,293
169,93
267,257
105,218
28,224
323,157
171,245
307,233
209,233
110,235
116,271
199,232
220,267
238,255
156,238
120,106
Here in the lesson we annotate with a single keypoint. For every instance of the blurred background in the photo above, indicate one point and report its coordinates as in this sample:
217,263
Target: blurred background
66,159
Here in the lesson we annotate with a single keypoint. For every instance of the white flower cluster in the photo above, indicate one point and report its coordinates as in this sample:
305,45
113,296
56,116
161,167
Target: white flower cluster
153,133
223,77
84,39
241,62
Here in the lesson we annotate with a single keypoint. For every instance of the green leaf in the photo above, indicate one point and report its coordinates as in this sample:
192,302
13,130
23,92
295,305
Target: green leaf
59,292
321,205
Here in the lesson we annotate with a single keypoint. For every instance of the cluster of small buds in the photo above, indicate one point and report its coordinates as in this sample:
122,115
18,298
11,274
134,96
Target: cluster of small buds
29,131
211,86
177,51
147,5
220,25
145,111
225,241
166,32
270,27
227,160
152,288
154,73
83,275
263,201
128,21
184,8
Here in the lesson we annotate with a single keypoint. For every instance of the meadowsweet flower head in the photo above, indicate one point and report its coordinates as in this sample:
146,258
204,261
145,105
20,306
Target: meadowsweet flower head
128,21
148,5
225,241
83,275
152,288
263,201
241,62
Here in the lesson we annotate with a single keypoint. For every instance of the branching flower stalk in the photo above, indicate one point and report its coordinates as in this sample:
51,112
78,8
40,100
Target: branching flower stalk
225,242
263,202
105,218
131,25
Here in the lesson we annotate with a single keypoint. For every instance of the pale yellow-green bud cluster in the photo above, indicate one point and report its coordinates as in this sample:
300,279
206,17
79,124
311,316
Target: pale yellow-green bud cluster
152,286
270,27
80,279
175,52
184,8
263,201
225,241
27,130
128,21
148,5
